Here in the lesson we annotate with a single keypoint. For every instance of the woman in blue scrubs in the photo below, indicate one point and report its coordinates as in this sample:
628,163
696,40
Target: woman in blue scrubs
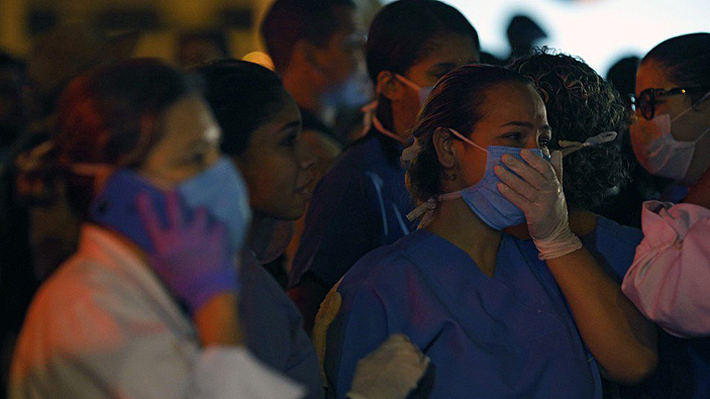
499,317
361,203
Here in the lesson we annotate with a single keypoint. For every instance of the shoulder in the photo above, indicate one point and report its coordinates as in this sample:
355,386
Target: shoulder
620,234
384,268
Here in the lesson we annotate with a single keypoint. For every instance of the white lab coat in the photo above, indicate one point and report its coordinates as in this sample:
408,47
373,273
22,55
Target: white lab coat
104,326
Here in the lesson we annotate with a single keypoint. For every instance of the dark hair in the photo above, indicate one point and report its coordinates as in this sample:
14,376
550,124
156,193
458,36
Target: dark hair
101,114
686,59
289,21
456,103
242,96
580,104
403,33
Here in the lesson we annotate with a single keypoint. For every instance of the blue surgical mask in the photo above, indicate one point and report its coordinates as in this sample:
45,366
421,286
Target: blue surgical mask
220,190
484,198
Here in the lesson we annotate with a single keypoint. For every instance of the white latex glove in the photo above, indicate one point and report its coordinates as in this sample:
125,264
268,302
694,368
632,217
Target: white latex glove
392,371
536,188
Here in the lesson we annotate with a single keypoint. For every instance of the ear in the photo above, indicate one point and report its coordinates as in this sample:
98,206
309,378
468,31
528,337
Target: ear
445,148
387,86
305,53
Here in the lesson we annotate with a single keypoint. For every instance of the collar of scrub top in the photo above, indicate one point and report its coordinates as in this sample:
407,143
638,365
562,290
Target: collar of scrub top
426,209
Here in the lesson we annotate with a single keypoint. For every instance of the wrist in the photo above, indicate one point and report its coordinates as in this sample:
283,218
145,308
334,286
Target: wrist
217,321
561,243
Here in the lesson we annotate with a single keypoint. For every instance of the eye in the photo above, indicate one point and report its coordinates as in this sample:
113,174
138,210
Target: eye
290,140
515,136
198,158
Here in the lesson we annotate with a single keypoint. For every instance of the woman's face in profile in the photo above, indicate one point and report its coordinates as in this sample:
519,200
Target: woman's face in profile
277,164
513,116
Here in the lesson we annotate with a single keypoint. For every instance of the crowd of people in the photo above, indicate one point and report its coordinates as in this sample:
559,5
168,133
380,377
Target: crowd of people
525,230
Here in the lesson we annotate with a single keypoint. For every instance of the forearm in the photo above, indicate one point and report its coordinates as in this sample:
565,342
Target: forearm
217,321
619,337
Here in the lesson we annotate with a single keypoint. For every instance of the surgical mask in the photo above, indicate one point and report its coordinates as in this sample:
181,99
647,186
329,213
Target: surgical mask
484,198
220,190
659,152
423,92
355,91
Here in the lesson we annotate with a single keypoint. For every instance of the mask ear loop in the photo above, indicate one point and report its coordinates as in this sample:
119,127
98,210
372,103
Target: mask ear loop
569,147
426,209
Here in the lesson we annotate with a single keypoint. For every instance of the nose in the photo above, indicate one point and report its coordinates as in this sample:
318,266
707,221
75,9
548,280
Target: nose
306,157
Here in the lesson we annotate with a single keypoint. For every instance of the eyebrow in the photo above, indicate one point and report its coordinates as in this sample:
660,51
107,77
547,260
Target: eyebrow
525,124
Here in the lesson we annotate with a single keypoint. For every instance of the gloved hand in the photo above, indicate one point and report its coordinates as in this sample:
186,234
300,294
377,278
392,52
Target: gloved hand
193,258
392,371
536,188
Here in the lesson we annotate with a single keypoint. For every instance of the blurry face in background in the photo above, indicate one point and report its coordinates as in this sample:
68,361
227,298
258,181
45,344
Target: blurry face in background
448,52
189,144
344,54
514,116
277,165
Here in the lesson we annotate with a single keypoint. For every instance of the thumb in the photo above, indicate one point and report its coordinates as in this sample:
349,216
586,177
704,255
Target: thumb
556,161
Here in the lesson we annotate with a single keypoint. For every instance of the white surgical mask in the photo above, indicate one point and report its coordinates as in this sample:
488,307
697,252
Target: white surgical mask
659,152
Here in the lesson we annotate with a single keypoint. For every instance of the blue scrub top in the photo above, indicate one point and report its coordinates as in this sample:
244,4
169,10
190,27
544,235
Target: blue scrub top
613,246
510,336
273,328
359,205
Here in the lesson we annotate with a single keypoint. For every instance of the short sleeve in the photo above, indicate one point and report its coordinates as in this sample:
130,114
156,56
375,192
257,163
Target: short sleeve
669,278
360,328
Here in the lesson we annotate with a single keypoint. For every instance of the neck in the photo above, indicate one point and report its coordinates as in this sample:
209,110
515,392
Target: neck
306,94
455,222
401,122
261,232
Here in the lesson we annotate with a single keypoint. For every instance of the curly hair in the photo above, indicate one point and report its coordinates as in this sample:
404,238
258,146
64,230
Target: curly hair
580,104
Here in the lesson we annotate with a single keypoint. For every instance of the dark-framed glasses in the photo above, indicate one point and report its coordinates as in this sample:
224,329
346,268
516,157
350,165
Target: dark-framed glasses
647,99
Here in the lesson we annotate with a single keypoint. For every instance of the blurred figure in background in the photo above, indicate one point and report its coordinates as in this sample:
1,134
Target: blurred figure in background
362,202
316,47
523,35
38,230
146,306
197,48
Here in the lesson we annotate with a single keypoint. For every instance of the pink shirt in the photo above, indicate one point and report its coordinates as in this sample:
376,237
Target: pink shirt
669,280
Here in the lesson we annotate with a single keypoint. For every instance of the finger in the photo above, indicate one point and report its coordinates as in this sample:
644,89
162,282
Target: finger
542,166
149,217
525,171
172,207
516,183
518,200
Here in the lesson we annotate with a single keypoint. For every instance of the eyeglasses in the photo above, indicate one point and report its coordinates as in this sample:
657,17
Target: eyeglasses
646,100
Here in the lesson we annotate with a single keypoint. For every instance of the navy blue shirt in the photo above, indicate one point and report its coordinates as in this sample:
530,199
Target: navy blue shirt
359,205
